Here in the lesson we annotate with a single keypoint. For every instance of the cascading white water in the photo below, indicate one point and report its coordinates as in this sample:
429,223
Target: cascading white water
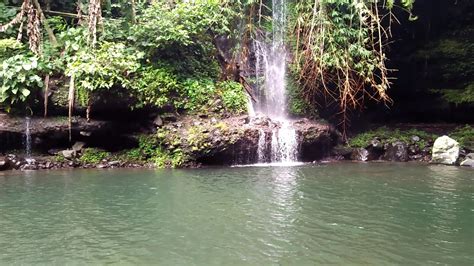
28,139
270,68
262,143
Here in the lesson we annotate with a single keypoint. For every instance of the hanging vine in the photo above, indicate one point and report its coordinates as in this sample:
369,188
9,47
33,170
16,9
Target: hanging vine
340,51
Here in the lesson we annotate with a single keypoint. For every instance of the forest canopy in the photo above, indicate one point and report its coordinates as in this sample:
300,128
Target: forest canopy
191,56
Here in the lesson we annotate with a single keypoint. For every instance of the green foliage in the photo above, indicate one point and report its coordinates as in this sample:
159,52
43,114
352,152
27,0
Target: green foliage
10,47
7,13
451,59
388,135
164,26
150,150
93,156
198,94
154,86
459,96
19,76
465,136
170,159
233,96
112,64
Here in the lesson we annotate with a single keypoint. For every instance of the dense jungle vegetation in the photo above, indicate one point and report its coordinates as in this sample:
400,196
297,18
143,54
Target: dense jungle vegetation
195,56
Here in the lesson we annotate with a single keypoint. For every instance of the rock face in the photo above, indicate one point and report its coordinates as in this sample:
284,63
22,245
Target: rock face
188,140
48,133
445,151
235,140
469,160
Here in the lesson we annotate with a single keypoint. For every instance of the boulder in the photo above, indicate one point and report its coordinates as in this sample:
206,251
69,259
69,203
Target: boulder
158,122
396,152
69,154
4,165
360,155
445,151
469,160
78,146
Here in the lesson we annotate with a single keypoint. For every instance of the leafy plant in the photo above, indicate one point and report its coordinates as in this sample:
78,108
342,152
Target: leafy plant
465,136
233,96
19,76
154,86
93,156
113,64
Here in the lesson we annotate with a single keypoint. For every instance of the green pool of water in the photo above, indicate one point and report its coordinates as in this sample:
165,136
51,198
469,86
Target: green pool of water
346,213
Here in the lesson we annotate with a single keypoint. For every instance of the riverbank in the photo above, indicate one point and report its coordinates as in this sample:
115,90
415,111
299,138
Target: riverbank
185,141
164,141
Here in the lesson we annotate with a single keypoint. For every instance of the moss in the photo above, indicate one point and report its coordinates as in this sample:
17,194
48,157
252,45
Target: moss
93,156
388,135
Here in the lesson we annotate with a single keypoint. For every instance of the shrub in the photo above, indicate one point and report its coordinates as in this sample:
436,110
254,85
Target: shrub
93,156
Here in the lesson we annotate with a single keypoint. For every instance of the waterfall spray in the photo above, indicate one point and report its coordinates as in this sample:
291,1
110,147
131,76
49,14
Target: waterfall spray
270,68
28,139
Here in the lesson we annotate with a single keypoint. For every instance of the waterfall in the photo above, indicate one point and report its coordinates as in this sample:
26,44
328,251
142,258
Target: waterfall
270,70
28,140
262,145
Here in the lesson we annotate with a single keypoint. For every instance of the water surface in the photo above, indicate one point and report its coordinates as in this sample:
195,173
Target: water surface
300,215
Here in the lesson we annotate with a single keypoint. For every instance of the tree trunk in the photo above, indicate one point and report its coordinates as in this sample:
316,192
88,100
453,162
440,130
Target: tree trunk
50,32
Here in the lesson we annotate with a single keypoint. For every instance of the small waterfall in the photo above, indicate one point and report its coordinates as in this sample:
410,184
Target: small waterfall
270,69
28,140
262,146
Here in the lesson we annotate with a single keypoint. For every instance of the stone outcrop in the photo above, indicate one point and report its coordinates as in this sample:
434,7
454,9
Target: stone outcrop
445,151
235,140
396,152
47,133
468,161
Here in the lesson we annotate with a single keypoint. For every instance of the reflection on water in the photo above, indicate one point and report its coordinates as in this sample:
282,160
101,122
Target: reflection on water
372,214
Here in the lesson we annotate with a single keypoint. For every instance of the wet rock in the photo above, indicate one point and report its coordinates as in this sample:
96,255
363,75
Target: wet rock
29,167
14,162
4,165
360,154
260,121
468,161
397,152
375,149
78,146
114,163
414,150
158,121
85,133
69,154
102,166
445,151
342,151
